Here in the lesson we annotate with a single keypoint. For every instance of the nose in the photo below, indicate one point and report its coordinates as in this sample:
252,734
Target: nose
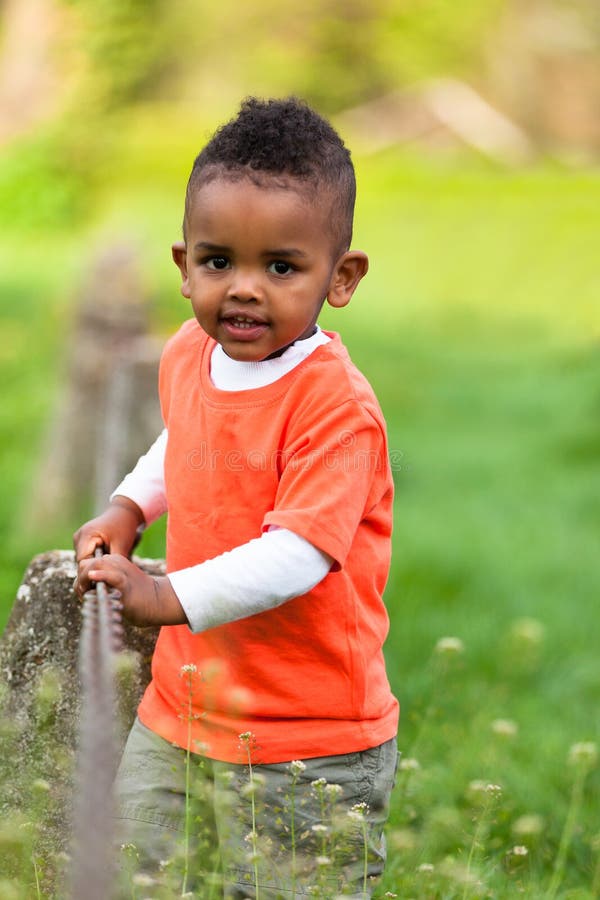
245,286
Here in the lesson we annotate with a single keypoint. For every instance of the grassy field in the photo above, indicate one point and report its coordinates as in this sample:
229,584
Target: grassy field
478,327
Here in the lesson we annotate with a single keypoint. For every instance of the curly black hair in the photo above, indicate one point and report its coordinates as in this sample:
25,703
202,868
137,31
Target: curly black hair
282,138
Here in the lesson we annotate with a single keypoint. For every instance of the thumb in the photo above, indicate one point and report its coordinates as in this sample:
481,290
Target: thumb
85,546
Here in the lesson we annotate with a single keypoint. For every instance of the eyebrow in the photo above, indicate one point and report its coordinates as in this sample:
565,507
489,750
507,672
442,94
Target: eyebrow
277,251
285,251
214,248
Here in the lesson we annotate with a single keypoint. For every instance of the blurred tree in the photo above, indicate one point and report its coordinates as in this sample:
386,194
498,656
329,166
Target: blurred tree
32,88
202,58
119,49
544,69
126,46
430,38
335,53
344,64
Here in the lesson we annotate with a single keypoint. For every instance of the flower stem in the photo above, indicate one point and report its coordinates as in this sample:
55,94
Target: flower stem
37,879
293,832
254,834
365,855
188,805
567,834
246,742
492,792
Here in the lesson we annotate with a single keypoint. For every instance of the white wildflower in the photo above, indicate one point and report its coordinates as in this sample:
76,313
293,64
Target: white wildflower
227,777
505,728
584,754
41,785
477,786
129,848
358,812
449,646
333,791
528,631
250,789
355,816
140,879
528,825
409,764
494,790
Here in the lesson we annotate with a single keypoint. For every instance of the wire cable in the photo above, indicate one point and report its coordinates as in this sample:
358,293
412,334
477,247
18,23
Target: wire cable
93,866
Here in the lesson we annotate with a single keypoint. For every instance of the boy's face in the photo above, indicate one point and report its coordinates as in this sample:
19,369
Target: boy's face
258,263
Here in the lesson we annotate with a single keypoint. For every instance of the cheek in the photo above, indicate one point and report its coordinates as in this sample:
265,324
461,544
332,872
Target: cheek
202,290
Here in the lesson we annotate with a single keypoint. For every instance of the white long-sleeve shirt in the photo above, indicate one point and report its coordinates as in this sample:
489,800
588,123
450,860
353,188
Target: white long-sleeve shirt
264,572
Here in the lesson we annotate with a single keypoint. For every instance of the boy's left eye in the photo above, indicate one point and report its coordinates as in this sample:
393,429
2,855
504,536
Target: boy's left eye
216,263
280,267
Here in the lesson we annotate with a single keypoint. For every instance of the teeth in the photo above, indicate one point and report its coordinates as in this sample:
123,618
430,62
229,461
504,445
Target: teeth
243,322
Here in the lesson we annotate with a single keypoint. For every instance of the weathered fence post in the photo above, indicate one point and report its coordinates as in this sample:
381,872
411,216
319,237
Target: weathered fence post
107,413
42,639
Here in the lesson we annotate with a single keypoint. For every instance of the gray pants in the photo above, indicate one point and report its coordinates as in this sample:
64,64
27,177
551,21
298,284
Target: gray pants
314,827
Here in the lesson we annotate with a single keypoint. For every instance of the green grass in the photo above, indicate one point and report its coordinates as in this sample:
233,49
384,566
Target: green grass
476,327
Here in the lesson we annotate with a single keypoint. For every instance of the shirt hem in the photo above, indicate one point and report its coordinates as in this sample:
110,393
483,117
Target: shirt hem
271,743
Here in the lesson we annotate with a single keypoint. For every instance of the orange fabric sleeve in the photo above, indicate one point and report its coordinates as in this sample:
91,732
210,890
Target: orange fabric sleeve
332,480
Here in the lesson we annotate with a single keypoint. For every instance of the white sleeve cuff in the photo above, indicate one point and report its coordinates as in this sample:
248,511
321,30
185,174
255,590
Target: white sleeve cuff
250,579
145,484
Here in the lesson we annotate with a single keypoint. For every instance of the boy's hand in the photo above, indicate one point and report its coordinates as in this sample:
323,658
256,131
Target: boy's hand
116,529
146,600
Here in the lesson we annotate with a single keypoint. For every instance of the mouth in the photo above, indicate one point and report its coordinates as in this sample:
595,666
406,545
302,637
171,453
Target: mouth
243,321
243,327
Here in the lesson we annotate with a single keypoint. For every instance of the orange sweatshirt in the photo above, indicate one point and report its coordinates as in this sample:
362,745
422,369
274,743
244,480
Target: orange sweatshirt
308,453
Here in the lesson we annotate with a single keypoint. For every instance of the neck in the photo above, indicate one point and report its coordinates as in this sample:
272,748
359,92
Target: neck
287,346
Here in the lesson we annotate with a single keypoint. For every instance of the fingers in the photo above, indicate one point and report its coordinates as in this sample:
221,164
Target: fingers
85,543
110,569
83,582
145,600
115,529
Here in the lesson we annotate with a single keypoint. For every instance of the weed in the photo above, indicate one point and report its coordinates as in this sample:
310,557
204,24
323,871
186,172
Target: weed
247,743
583,756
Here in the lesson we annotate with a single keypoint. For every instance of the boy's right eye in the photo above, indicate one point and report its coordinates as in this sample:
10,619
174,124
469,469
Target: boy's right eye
217,263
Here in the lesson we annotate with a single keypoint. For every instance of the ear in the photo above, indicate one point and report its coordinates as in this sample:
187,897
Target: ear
348,271
179,252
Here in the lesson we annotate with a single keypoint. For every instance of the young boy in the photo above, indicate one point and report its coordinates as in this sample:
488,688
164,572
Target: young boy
273,469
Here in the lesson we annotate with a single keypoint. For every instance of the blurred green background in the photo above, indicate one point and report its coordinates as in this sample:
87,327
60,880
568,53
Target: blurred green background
475,133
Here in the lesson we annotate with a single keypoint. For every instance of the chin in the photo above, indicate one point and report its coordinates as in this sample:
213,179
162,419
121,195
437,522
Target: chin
243,355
